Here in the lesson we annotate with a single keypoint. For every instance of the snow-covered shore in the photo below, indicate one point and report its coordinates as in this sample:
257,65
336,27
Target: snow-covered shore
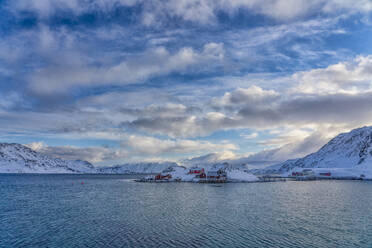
183,174
241,176
333,173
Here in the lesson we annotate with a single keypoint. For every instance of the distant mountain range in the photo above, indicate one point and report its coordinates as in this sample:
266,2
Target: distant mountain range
16,158
347,150
352,150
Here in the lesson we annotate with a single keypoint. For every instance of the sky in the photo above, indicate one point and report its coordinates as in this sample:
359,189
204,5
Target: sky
124,81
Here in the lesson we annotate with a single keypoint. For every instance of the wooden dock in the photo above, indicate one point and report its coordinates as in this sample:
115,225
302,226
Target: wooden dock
212,181
268,179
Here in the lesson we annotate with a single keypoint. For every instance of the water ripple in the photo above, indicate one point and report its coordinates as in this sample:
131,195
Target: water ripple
112,211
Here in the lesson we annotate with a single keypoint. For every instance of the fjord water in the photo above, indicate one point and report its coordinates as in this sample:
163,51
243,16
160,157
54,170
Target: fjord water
114,211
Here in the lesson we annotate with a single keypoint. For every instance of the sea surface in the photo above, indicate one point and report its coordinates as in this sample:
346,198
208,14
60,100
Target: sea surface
114,211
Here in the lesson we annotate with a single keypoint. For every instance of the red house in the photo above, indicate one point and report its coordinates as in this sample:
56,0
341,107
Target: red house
161,176
196,170
325,174
297,174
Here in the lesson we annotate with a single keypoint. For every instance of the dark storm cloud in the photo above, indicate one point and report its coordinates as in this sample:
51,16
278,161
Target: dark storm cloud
330,108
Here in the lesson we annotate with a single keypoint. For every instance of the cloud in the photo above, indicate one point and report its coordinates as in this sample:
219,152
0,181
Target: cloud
11,100
90,154
203,12
249,136
132,147
46,8
167,74
295,149
63,58
210,158
250,96
344,77
286,136
167,110
191,124
254,107
344,99
155,62
154,146
307,110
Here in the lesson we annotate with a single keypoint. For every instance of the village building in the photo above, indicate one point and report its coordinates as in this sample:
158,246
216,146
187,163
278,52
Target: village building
218,175
197,172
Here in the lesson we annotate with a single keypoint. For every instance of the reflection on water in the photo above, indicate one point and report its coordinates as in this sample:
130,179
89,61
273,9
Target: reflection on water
114,211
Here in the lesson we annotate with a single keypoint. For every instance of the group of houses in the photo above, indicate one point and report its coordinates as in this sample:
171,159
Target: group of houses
311,174
216,175
213,175
328,173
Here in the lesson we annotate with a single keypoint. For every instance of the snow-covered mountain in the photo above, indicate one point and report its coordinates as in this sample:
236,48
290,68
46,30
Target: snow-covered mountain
136,168
214,160
352,150
16,158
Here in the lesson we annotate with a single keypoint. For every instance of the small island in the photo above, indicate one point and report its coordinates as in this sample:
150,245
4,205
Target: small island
216,174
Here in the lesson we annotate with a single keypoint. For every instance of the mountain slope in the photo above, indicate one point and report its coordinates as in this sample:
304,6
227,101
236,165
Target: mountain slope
346,150
16,158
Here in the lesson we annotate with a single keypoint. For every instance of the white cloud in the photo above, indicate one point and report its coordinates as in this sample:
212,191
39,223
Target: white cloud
249,136
90,154
150,145
349,5
155,62
36,146
46,8
205,12
289,151
198,11
54,61
10,100
118,117
287,136
252,107
344,77
340,96
252,95
150,99
135,146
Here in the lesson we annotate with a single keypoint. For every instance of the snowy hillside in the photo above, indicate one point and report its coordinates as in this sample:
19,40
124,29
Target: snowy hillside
351,150
136,168
16,158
